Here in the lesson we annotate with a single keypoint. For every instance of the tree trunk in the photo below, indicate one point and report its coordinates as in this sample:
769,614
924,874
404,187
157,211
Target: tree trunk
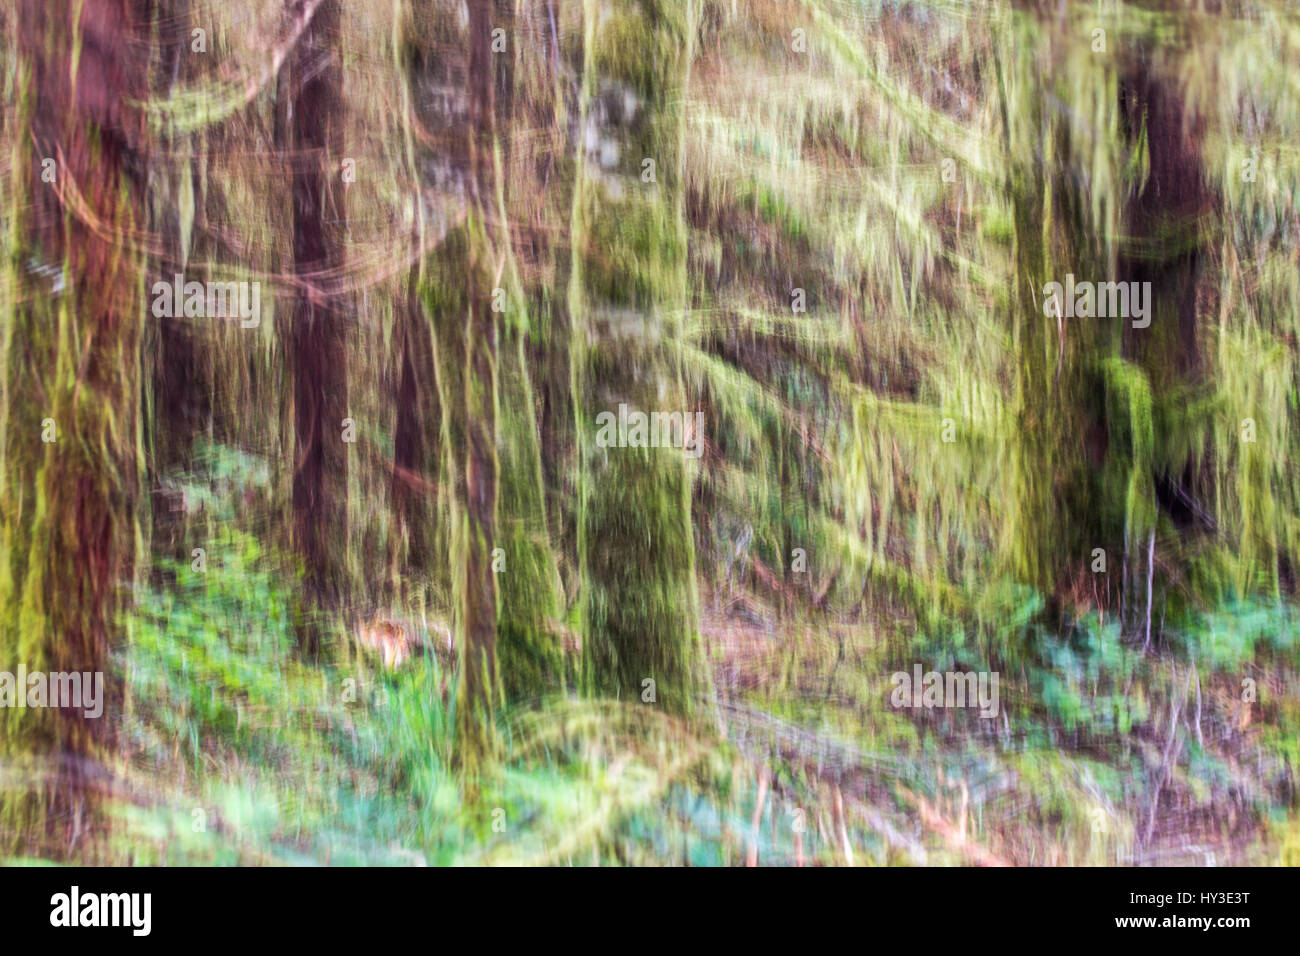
319,338
478,590
531,656
640,610
71,370
178,403
415,448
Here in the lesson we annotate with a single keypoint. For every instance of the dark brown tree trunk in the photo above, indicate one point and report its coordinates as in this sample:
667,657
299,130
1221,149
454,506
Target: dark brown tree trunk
1167,218
415,442
319,340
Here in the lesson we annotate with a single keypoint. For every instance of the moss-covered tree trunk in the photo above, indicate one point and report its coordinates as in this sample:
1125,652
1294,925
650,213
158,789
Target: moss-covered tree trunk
69,478
493,530
1059,403
479,685
417,497
318,324
640,610
435,68
531,655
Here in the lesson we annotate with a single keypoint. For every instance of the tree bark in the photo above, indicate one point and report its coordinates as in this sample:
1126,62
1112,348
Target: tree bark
68,520
640,610
318,330
478,590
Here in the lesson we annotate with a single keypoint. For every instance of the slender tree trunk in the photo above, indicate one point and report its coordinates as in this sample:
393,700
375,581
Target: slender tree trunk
319,339
478,590
531,655
453,99
415,447
640,610
1166,223
496,541
178,401
436,74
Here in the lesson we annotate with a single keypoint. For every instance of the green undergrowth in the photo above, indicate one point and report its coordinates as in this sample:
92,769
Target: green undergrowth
237,751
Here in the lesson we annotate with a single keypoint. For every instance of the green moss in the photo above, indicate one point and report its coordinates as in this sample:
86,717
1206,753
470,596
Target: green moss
640,44
640,612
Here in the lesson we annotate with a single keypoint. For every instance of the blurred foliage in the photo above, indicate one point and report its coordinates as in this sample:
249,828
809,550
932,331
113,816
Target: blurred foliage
946,456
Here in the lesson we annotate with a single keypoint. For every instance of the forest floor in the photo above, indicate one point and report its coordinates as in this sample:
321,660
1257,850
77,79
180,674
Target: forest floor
808,704
231,749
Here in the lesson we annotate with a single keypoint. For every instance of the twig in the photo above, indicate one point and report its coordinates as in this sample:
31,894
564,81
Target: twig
1164,763
751,855
956,838
1151,571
